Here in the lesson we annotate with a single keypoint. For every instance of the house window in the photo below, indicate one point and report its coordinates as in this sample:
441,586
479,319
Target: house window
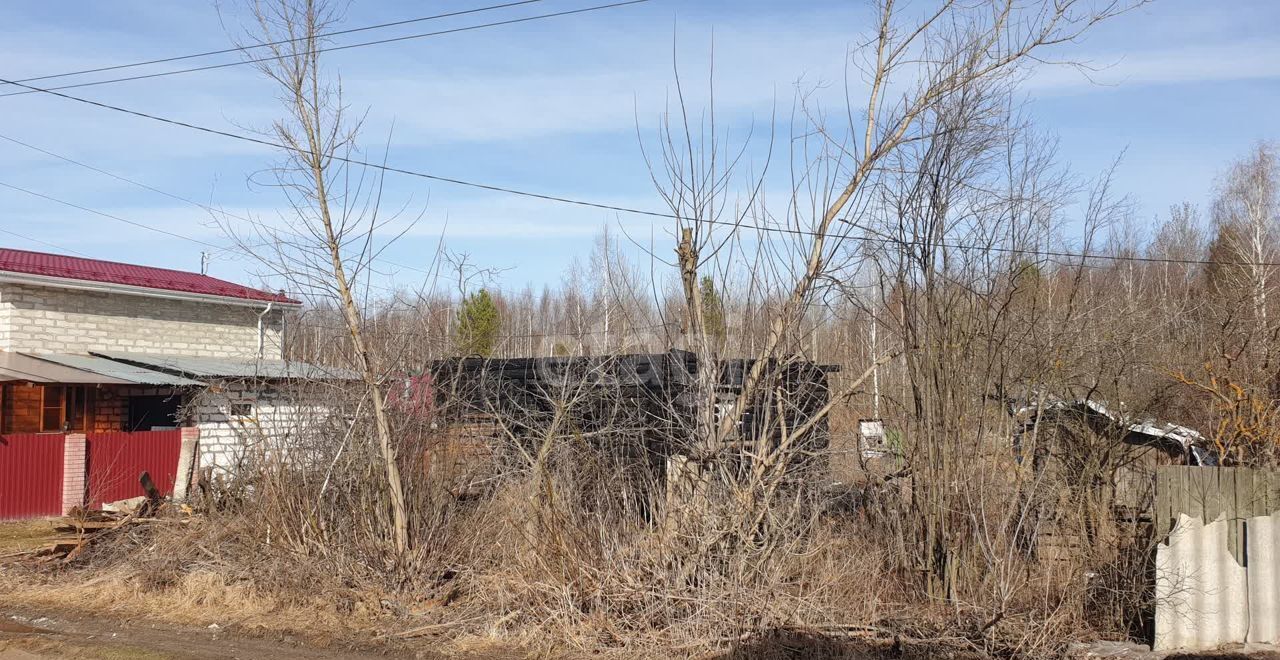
242,410
153,412
64,408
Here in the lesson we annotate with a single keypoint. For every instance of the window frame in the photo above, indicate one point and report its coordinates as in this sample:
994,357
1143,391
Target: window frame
83,397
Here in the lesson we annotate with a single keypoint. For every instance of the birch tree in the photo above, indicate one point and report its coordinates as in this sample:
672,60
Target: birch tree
329,242
1245,212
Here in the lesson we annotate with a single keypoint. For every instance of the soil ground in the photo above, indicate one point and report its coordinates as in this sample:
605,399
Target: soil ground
24,636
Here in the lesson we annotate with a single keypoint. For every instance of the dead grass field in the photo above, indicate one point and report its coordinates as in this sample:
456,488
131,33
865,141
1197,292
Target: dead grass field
24,535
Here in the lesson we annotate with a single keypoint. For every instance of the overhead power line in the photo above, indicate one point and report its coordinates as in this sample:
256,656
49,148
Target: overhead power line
45,243
1082,256
351,161
206,207
108,215
225,51
331,49
117,177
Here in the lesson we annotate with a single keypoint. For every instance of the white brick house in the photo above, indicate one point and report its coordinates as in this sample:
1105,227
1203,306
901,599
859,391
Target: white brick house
63,320
95,346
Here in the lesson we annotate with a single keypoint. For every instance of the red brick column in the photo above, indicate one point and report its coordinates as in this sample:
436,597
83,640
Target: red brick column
74,473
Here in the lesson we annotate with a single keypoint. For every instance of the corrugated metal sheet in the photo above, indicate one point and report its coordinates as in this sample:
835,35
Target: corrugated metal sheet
1264,579
112,272
210,367
1171,438
114,369
16,366
30,475
117,460
1217,579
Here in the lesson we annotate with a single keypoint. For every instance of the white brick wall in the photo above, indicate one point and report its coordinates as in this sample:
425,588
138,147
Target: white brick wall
228,440
55,320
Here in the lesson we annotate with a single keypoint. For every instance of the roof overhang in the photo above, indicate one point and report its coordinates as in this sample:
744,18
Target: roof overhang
203,367
24,368
114,369
128,289
55,368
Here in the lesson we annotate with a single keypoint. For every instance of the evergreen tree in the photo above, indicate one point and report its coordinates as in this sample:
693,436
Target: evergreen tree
713,311
478,324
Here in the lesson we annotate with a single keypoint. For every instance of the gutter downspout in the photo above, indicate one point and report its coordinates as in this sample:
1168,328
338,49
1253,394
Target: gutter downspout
261,332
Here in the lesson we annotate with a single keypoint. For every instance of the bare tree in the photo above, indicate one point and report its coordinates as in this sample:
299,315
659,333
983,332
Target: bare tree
937,96
331,242
1245,213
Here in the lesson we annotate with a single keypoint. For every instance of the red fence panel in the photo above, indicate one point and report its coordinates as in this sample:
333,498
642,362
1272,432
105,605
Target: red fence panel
116,460
30,475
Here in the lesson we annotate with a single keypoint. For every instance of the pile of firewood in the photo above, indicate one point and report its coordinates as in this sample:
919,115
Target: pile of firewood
83,527
79,530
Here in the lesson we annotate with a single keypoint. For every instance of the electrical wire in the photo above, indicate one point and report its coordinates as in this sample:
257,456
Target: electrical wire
350,161
1081,256
330,49
206,207
45,243
238,49
108,215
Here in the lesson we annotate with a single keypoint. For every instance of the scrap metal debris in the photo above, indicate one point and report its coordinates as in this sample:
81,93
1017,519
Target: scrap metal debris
1172,438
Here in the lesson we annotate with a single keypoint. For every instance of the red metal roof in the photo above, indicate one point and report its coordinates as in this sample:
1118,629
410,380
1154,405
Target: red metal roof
112,272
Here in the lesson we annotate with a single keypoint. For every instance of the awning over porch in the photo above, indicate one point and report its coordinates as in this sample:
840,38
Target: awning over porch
115,369
227,367
48,368
20,367
153,370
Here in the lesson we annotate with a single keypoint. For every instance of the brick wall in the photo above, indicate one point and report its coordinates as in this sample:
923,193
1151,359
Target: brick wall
228,440
53,320
110,410
22,408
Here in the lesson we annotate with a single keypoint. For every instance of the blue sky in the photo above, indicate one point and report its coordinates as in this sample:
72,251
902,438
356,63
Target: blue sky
553,106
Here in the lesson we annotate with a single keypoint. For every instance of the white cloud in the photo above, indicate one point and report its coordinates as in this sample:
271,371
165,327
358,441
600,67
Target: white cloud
521,219
1188,64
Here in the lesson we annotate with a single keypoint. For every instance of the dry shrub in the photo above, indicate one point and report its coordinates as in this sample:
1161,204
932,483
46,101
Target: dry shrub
571,553
586,552
579,556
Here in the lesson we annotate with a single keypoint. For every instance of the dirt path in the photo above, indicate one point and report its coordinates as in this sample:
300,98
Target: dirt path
35,636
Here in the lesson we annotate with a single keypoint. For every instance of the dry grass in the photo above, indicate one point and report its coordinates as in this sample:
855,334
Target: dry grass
196,599
529,574
563,562
23,535
582,554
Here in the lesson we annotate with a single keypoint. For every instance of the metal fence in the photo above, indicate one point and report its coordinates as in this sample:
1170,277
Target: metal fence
30,475
1217,578
116,460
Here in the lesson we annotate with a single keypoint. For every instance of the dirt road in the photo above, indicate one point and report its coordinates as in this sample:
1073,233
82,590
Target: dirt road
33,636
